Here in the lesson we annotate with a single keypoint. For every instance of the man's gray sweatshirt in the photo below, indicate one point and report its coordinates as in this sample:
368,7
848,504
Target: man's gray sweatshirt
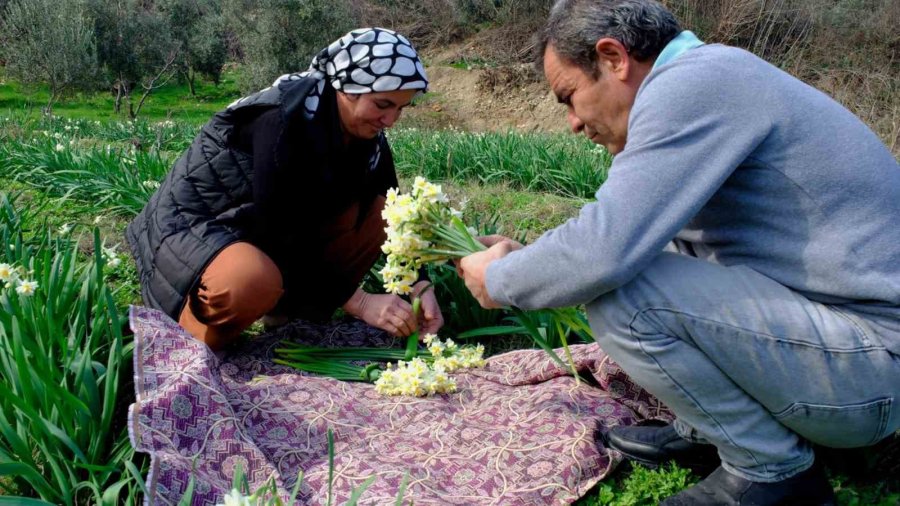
741,164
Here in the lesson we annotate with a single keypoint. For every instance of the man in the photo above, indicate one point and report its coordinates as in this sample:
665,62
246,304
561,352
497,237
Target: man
741,262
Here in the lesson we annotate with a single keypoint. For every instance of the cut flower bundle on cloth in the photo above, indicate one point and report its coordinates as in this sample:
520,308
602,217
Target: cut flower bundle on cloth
416,372
421,377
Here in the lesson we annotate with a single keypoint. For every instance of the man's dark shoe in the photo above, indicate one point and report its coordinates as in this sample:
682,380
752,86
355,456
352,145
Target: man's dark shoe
655,445
809,488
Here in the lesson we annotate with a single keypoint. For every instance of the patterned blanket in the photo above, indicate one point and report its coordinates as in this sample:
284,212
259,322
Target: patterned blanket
519,431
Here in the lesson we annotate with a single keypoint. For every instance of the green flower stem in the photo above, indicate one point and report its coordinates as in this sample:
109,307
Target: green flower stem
446,253
338,371
451,238
293,350
474,244
460,239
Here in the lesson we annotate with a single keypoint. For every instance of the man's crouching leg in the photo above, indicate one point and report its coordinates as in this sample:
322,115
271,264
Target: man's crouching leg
754,368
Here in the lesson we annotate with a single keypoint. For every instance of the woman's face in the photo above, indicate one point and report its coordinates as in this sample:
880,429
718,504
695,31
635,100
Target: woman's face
365,115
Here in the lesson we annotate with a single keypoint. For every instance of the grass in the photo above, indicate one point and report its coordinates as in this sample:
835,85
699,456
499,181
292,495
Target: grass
170,102
101,170
521,214
640,486
81,218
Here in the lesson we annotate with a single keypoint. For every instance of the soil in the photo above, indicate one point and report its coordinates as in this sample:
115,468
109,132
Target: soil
480,98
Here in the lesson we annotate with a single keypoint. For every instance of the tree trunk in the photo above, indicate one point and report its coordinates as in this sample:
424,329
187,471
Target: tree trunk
190,80
48,110
141,103
155,82
53,92
118,104
128,102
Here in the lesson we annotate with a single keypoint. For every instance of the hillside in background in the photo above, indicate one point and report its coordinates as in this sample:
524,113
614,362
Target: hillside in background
483,77
478,52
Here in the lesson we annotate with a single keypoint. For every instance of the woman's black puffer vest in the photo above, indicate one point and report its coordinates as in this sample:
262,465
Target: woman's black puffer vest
201,204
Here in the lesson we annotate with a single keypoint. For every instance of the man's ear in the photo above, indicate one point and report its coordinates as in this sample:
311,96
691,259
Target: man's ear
612,57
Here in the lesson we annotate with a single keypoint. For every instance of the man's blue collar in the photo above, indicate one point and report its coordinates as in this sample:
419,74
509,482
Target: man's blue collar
682,42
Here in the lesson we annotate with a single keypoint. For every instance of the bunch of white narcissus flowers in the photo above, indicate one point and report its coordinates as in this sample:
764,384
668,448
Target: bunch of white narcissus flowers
15,276
422,228
419,378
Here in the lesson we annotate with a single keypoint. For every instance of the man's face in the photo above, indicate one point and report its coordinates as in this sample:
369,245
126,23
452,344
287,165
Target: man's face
597,107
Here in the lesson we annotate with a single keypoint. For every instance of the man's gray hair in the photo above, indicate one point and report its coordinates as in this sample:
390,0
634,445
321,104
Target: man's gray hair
573,28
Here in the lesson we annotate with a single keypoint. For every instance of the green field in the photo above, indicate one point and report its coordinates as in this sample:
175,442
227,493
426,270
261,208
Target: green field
172,101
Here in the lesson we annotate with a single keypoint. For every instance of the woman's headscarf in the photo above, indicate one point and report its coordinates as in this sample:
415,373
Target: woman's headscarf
366,60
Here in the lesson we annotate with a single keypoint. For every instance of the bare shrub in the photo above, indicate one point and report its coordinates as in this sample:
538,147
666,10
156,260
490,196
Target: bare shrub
432,23
777,30
854,56
424,22
506,78
504,11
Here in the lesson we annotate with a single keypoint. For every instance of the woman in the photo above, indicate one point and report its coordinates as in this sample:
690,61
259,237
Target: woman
276,206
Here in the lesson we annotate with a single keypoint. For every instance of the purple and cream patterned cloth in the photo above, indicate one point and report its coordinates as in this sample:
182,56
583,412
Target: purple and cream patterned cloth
519,431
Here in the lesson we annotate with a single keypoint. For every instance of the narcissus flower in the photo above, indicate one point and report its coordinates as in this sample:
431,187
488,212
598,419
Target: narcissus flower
423,228
26,288
7,273
423,377
112,257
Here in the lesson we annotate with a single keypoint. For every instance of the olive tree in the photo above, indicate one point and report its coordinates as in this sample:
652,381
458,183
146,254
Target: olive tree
281,36
136,49
48,42
199,28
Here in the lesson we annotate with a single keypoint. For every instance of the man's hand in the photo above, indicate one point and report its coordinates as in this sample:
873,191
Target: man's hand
430,318
388,312
491,240
473,268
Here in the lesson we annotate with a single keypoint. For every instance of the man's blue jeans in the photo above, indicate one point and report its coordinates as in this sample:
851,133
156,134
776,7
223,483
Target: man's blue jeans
750,365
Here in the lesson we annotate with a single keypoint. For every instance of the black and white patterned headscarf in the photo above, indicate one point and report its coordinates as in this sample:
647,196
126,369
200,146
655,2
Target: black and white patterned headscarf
366,60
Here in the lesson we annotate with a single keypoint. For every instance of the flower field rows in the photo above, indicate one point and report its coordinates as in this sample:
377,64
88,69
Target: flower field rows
68,187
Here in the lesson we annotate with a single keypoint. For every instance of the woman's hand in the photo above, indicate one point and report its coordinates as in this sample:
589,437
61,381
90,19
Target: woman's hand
430,318
388,312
